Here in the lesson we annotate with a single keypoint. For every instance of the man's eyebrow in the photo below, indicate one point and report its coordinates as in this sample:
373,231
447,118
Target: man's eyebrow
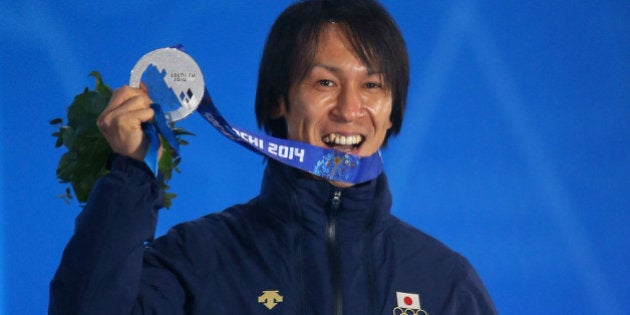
334,69
327,67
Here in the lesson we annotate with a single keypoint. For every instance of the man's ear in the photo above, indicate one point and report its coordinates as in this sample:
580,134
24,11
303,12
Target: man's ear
279,110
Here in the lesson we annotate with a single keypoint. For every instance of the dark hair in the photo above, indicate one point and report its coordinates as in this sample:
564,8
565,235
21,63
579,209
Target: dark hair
292,43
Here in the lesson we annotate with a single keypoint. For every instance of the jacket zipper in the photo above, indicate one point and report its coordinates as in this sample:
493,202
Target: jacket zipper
331,234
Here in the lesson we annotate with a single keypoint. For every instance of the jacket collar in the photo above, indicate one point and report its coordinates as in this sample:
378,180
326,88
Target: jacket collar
293,196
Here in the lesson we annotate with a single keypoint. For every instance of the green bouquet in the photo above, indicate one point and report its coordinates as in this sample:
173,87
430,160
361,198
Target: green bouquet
88,151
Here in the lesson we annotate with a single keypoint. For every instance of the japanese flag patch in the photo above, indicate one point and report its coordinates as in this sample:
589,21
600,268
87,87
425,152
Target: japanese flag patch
408,300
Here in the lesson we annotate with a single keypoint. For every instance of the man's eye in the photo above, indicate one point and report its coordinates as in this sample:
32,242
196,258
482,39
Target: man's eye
373,85
326,83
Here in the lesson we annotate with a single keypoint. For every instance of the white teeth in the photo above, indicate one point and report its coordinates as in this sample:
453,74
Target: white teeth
334,138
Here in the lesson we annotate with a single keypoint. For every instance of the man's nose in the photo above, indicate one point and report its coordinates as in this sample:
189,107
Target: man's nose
349,105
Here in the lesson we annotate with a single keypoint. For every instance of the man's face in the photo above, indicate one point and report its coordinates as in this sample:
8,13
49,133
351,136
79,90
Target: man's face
340,103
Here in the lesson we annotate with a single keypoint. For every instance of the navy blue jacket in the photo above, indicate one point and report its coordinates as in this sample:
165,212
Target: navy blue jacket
302,246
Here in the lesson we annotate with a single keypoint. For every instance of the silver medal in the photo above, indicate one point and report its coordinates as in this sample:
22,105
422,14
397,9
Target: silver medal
173,80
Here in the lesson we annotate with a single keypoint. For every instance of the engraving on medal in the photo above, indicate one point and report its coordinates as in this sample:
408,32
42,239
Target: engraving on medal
173,80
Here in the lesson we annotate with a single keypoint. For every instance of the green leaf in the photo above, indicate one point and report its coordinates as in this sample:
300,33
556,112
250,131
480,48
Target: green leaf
182,132
66,166
85,161
59,142
101,88
68,137
56,121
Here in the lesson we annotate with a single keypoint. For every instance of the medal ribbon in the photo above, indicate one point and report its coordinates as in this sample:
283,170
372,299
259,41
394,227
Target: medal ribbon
329,164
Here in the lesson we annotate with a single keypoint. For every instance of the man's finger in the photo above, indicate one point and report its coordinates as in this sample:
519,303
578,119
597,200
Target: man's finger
122,95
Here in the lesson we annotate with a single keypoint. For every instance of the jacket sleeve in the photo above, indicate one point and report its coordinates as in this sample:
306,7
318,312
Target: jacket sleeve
101,267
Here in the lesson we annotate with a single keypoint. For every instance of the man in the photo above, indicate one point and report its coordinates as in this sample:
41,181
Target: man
333,74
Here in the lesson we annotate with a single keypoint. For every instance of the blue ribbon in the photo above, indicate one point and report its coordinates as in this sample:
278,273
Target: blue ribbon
152,130
323,162
330,164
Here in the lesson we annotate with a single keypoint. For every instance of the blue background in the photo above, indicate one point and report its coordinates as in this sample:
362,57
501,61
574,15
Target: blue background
514,150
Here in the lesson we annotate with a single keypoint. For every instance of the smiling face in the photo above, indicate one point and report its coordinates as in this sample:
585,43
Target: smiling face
340,103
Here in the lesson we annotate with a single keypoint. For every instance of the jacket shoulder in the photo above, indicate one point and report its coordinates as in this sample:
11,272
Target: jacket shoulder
413,240
448,280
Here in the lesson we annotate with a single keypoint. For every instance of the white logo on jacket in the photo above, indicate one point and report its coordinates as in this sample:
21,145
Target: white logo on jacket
408,304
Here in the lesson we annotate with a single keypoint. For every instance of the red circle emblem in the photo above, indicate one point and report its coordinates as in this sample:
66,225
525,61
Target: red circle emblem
407,300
